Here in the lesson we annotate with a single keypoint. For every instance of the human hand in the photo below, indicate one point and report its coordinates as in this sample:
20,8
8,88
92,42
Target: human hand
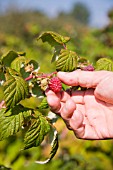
88,113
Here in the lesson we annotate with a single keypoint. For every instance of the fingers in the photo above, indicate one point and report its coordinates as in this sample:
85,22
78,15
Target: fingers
88,79
68,109
76,123
78,96
105,89
65,106
53,100
61,103
56,100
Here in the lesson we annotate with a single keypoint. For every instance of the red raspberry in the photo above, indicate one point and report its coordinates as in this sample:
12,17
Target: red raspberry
55,84
88,68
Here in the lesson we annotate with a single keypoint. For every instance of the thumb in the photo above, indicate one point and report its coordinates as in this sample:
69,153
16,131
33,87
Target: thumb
88,79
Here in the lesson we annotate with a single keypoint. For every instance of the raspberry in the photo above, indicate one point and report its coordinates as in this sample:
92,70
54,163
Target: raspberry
88,68
55,84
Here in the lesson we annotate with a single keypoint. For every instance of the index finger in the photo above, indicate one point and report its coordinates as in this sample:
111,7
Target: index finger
88,79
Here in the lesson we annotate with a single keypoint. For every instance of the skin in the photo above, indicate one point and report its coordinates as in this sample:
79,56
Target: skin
88,113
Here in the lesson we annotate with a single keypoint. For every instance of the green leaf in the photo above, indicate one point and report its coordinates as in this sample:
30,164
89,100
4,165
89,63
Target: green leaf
9,57
36,90
21,53
1,67
28,67
56,53
9,125
38,129
15,88
17,63
54,147
104,64
35,64
20,62
2,70
67,61
53,38
2,167
18,109
44,104
82,62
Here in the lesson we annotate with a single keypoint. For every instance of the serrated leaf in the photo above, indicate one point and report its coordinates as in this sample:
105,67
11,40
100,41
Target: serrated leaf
9,57
18,109
17,63
15,88
104,64
36,132
44,104
53,38
54,147
67,61
9,125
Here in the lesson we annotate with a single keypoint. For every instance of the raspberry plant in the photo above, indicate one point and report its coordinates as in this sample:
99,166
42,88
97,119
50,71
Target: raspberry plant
21,79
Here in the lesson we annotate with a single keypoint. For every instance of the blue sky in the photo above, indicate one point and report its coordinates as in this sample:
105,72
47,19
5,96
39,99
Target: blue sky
98,8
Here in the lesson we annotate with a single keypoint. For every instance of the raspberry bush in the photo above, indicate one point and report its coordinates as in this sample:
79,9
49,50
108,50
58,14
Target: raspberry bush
21,79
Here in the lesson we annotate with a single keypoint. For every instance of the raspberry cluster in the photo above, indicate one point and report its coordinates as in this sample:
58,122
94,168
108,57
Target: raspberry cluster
55,84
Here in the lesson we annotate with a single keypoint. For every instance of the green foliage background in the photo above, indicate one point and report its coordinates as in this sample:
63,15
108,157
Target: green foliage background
18,31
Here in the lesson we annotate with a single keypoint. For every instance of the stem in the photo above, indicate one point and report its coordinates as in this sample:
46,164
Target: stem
64,45
29,77
41,75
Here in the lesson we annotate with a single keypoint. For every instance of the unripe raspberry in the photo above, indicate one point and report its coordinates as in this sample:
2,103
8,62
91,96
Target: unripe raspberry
89,68
55,84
